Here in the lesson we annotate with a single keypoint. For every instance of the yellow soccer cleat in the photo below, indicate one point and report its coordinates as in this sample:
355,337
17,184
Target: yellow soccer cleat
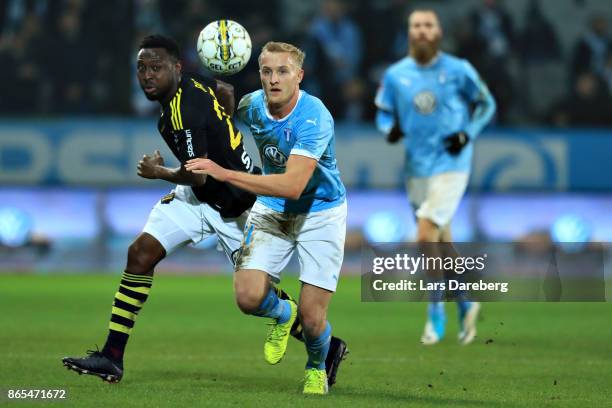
315,382
276,341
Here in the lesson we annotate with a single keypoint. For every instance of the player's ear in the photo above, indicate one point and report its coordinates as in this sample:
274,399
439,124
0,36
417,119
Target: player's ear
300,75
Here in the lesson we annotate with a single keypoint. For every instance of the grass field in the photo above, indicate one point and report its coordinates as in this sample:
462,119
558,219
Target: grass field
191,347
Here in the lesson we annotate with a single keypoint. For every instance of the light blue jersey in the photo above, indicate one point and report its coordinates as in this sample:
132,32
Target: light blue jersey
307,131
432,102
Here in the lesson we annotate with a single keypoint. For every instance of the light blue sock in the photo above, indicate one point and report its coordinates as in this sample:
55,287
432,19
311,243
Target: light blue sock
317,348
437,317
274,307
463,305
461,297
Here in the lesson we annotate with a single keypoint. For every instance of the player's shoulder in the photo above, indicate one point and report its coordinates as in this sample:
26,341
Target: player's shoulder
310,103
405,63
250,102
311,114
192,100
455,63
198,86
400,67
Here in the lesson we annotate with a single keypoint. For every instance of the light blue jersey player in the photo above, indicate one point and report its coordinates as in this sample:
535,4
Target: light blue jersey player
439,104
307,131
430,103
301,206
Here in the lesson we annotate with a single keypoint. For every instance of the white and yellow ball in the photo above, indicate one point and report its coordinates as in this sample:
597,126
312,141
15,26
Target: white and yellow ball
224,47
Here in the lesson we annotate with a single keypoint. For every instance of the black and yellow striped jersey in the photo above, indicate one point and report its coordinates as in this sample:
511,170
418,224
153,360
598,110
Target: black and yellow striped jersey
194,124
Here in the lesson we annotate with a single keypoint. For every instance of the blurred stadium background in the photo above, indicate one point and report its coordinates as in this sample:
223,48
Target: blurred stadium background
74,122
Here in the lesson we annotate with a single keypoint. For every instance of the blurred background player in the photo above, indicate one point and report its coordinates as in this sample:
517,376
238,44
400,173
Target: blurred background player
301,206
439,103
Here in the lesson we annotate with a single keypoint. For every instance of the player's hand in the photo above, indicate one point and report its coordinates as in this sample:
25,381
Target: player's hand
456,142
208,167
395,134
148,165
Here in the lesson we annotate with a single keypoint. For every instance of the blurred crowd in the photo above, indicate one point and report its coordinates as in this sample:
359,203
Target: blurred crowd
76,57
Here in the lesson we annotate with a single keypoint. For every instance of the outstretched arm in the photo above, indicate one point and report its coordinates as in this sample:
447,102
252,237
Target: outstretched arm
152,167
289,184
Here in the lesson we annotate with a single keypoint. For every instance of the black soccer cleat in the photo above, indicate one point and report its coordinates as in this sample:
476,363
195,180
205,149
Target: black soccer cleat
337,352
97,364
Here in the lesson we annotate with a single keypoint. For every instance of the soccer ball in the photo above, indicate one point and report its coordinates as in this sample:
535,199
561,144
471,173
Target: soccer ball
224,47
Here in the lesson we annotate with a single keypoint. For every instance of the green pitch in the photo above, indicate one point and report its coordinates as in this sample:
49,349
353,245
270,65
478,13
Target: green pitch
192,347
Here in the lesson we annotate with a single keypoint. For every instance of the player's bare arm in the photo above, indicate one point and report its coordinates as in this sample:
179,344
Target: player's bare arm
152,167
225,96
289,184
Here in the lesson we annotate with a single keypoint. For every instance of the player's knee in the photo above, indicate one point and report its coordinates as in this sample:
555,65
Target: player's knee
140,261
428,232
313,321
248,300
428,235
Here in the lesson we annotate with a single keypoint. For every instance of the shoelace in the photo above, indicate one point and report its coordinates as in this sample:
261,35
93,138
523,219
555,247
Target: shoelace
96,352
318,379
273,334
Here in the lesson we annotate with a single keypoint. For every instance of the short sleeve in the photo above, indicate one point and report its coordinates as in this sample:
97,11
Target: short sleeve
313,136
384,96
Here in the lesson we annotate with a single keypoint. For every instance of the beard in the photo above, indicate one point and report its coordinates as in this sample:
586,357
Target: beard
424,51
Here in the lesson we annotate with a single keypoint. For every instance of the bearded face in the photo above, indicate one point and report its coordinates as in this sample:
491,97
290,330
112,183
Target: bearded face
424,34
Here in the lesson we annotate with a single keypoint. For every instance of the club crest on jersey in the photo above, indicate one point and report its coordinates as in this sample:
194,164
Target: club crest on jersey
277,157
425,102
287,133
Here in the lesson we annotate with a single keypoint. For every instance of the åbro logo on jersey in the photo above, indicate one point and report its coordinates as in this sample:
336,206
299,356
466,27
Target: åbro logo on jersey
274,155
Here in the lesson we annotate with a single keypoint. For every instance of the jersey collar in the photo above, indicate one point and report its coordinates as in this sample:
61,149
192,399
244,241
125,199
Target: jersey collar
289,114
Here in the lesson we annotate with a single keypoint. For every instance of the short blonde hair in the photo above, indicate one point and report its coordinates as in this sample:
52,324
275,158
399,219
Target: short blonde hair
272,46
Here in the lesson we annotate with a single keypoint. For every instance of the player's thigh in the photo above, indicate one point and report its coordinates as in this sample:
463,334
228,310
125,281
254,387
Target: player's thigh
320,246
444,193
416,190
265,245
230,231
177,221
